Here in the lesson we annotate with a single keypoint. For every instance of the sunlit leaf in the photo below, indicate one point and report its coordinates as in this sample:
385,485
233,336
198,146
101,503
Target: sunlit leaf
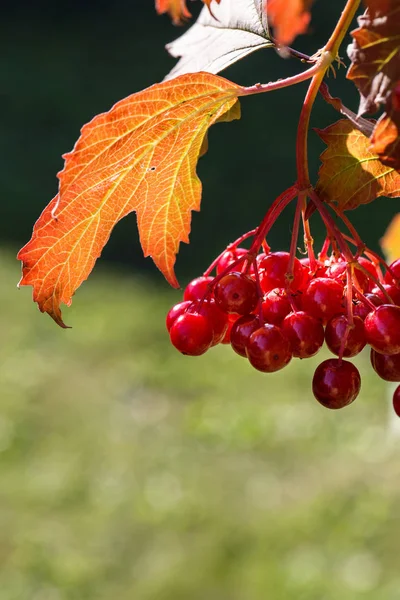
351,174
235,29
375,53
140,156
289,18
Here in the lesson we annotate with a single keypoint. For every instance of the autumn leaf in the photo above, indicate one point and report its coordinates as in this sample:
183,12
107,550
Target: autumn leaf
140,156
289,18
177,9
385,139
215,41
351,174
390,242
375,53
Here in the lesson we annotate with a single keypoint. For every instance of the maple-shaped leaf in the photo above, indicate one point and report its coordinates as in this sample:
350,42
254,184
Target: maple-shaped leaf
140,156
289,18
390,243
351,174
178,10
375,53
385,139
235,29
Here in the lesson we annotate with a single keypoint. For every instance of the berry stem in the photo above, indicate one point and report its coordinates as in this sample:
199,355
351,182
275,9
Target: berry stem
270,217
308,239
293,241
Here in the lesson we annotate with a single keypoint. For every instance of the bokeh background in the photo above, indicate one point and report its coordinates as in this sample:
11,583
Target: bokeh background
127,470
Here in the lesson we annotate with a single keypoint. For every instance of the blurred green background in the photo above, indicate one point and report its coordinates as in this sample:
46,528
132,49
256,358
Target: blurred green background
126,469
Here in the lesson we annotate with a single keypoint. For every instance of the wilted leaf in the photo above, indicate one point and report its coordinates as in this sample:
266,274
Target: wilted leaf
385,139
375,53
289,18
235,29
390,242
350,173
140,156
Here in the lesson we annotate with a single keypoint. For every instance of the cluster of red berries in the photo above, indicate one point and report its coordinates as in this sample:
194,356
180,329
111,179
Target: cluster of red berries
273,307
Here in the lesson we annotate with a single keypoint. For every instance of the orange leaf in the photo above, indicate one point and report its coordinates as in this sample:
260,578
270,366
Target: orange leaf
351,174
391,240
140,156
177,9
289,18
385,138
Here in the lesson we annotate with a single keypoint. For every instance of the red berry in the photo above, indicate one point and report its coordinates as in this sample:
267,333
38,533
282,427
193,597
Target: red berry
382,328
229,257
276,306
393,276
335,331
274,271
338,270
305,334
198,288
216,317
336,383
318,271
387,366
268,349
392,290
360,309
396,401
175,312
371,268
236,293
241,331
191,334
323,298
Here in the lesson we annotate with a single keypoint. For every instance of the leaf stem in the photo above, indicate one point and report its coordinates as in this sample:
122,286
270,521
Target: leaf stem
323,62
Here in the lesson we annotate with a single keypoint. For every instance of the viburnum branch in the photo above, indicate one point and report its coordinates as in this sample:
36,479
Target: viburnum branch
330,51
